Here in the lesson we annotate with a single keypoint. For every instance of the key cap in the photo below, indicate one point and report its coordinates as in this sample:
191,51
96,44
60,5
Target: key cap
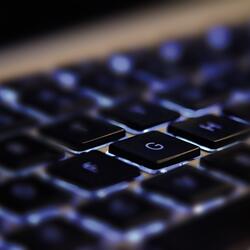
240,110
195,98
80,133
54,234
23,152
93,171
226,228
54,101
124,211
154,150
210,131
141,115
105,82
187,185
234,161
28,194
12,121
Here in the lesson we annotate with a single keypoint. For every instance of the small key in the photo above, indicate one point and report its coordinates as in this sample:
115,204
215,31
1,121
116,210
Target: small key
21,152
28,194
187,185
240,110
154,150
124,211
93,170
54,234
80,133
141,115
225,228
195,98
234,161
54,101
12,120
210,131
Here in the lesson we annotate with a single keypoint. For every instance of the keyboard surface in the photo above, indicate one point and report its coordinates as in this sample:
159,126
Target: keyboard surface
145,149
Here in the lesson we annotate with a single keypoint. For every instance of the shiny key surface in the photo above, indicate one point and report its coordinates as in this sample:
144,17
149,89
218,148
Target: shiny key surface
140,115
93,171
80,133
210,131
154,150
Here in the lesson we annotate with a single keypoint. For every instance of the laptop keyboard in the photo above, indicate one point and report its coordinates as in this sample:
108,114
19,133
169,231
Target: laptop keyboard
145,149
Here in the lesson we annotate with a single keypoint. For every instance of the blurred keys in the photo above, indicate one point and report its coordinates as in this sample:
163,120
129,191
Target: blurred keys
210,131
224,228
12,121
54,101
187,185
234,161
141,115
124,211
154,150
80,133
240,110
54,234
29,194
194,97
93,171
23,152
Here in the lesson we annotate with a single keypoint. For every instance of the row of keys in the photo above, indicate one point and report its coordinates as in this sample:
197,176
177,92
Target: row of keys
123,211
95,171
153,150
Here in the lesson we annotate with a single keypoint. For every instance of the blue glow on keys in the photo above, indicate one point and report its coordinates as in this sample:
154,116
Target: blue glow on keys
171,51
120,64
219,37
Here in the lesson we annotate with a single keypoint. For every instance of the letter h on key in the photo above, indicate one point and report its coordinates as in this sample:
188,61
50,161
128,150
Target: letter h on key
210,126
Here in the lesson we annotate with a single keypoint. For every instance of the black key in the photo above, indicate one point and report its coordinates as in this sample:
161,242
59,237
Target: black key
124,211
187,185
240,110
226,228
28,194
80,133
12,121
141,115
195,98
234,161
93,170
109,84
210,131
154,150
23,151
54,101
55,234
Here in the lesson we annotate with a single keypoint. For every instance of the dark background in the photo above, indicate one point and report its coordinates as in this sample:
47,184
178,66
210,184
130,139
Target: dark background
19,21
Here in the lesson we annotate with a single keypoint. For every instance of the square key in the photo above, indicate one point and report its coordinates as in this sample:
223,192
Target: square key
54,234
187,185
233,161
12,121
124,211
141,115
79,133
93,170
28,194
154,150
21,152
210,131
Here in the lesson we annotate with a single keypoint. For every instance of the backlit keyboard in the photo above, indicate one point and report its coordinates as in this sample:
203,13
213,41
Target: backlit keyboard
145,149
